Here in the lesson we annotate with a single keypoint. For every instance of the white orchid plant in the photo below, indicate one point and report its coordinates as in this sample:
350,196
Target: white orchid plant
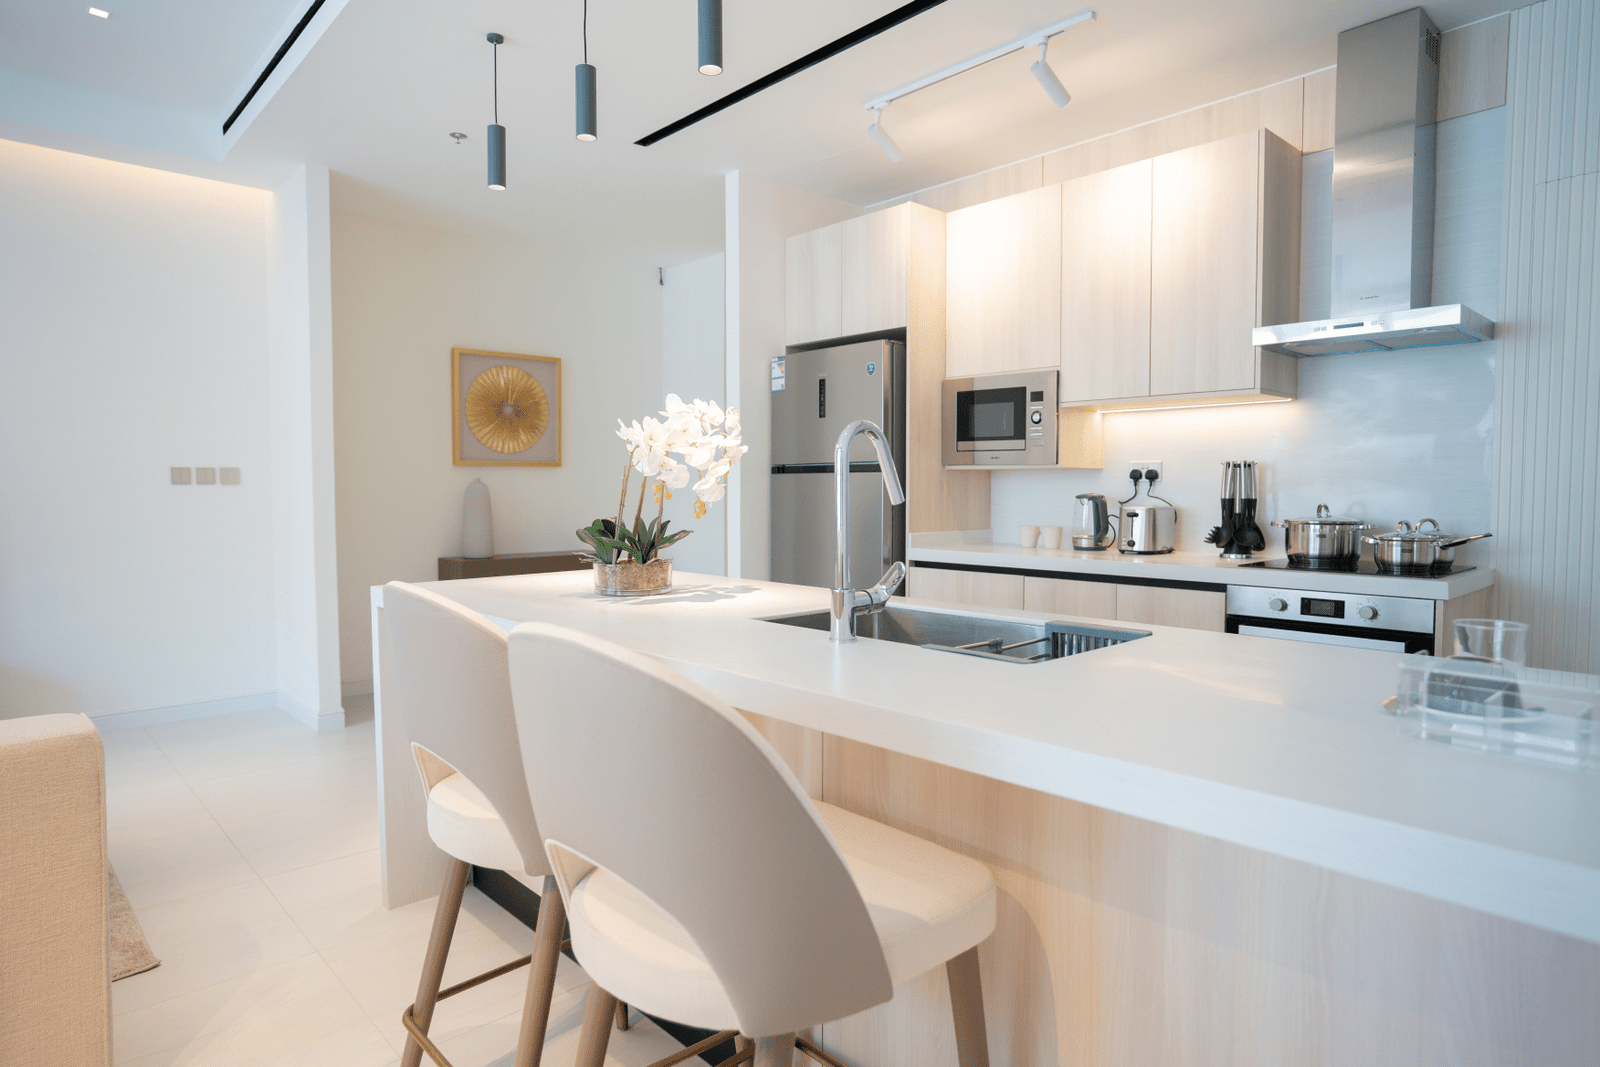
706,441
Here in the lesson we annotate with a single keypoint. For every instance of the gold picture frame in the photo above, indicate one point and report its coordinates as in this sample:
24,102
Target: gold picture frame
505,409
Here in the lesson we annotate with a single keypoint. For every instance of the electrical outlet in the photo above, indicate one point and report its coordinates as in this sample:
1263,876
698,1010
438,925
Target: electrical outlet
205,476
228,475
180,475
1147,465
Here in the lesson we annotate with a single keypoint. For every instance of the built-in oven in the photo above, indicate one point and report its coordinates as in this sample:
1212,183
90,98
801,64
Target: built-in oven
1356,620
1001,420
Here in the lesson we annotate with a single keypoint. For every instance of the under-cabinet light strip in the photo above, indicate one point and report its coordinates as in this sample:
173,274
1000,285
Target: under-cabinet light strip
1031,40
1186,407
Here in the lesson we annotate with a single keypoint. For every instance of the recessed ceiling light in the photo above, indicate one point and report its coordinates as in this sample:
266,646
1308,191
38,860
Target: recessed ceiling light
99,14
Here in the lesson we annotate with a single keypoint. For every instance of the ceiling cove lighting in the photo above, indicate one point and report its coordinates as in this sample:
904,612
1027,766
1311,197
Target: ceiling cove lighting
1041,71
587,123
710,36
881,136
497,132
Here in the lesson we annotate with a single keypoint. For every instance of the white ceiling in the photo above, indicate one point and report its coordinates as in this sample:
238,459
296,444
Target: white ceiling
377,95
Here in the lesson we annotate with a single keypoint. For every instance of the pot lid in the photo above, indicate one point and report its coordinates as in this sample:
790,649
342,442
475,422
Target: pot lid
1326,518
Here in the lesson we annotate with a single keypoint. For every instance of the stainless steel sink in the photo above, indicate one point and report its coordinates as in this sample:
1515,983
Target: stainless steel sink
987,636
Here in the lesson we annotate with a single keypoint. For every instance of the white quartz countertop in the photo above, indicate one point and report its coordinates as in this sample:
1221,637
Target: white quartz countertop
1275,745
973,549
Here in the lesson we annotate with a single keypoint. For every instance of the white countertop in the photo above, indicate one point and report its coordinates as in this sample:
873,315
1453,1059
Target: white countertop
974,549
1275,745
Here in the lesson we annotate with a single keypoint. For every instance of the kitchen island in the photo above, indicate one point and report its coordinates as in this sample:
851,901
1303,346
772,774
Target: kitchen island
1203,841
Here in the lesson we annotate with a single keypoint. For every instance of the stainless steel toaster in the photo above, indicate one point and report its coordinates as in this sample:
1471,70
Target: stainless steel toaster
1147,529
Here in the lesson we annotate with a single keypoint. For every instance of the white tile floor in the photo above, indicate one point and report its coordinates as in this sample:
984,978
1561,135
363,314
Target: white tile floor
248,846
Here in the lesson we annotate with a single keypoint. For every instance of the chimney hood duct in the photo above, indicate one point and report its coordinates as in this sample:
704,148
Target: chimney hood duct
1386,100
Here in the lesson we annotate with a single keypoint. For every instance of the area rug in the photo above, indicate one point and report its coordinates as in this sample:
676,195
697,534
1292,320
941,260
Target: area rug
130,952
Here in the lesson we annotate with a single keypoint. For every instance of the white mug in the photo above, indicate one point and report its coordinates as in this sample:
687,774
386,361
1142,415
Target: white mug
1049,537
1028,536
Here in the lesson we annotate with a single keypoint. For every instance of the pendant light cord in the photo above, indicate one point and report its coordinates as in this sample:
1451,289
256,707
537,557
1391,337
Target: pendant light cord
586,31
497,85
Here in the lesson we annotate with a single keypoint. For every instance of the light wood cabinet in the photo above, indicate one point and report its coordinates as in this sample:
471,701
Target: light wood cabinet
814,285
1197,609
876,271
1003,285
1066,596
1105,285
1225,256
982,589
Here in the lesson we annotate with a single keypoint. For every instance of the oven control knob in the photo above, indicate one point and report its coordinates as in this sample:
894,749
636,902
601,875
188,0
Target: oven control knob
1277,603
1368,612
1038,417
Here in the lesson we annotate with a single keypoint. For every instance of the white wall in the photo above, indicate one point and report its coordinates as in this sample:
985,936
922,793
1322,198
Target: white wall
761,213
133,324
1378,436
300,346
403,296
692,353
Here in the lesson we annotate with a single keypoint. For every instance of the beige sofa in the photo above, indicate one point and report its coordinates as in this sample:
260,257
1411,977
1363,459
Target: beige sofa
55,991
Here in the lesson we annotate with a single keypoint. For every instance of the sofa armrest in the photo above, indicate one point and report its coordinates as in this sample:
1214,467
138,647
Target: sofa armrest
55,989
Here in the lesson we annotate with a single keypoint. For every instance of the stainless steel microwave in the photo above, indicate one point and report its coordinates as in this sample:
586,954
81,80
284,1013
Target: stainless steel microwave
1001,420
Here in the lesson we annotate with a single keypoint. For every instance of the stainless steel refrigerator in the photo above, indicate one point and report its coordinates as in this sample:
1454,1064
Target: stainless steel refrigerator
815,395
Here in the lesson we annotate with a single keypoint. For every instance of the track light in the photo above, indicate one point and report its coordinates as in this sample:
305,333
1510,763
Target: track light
497,132
710,36
587,122
881,136
1047,78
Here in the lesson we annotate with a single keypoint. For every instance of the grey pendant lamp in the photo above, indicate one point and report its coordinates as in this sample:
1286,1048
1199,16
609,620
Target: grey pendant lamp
710,36
587,123
497,132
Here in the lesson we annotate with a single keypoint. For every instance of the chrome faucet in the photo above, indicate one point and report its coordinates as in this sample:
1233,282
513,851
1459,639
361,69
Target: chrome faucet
848,602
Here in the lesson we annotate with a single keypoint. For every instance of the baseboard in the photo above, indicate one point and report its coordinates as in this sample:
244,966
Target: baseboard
330,721
359,687
121,720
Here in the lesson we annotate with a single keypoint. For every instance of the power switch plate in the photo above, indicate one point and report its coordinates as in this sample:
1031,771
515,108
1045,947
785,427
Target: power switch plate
180,475
229,475
205,476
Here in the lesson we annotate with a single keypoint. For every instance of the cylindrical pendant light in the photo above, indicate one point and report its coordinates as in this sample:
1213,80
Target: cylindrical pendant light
710,36
586,102
586,88
497,132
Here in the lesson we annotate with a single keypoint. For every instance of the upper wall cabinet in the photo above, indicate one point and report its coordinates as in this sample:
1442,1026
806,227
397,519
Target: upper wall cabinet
814,285
1003,285
877,271
1105,285
1224,258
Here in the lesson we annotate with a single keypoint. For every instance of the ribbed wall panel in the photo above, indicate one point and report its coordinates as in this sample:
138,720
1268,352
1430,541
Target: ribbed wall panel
1547,451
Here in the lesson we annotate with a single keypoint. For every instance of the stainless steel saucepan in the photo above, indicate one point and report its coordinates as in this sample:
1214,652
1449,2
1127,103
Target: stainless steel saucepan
1324,539
1407,552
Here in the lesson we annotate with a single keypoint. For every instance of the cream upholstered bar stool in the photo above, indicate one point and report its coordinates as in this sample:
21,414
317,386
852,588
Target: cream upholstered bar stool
728,899
453,697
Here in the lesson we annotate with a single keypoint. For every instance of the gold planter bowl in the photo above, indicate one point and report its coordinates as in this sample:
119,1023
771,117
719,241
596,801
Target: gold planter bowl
633,579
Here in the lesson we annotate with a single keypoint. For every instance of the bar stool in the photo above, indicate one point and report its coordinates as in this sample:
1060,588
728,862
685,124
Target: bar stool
725,899
452,696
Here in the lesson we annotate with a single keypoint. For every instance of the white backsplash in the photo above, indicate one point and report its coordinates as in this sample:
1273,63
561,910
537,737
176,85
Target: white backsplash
1378,436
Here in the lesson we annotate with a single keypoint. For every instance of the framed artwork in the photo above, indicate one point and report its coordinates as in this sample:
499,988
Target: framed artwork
505,409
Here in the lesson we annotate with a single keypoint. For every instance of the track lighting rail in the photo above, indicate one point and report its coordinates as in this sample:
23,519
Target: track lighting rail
1030,41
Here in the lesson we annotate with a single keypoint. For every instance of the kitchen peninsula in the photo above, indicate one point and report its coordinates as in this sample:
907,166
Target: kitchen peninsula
1173,821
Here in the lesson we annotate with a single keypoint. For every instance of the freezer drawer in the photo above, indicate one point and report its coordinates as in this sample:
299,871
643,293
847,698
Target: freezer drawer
803,527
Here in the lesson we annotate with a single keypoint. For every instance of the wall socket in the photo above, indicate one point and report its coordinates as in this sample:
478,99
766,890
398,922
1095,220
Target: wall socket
1147,465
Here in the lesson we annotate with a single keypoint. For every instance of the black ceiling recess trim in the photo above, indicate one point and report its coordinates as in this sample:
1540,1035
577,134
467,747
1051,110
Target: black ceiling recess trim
272,65
811,59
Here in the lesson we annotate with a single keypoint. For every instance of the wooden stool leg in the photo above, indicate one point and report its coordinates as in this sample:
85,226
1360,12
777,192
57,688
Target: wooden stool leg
775,1051
597,1016
966,1004
444,928
541,975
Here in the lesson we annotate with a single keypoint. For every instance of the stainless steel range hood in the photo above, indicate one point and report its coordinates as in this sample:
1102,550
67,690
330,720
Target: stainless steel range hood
1383,176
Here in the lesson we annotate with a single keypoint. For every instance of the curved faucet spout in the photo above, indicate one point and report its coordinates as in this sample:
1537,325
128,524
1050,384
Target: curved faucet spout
846,600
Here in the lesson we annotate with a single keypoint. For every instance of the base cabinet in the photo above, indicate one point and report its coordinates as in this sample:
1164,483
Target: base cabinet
1195,609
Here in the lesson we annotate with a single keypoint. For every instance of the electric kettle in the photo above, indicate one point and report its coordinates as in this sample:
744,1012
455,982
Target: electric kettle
1092,532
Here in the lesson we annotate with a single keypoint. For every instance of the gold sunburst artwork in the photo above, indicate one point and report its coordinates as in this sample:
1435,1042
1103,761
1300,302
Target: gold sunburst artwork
506,409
